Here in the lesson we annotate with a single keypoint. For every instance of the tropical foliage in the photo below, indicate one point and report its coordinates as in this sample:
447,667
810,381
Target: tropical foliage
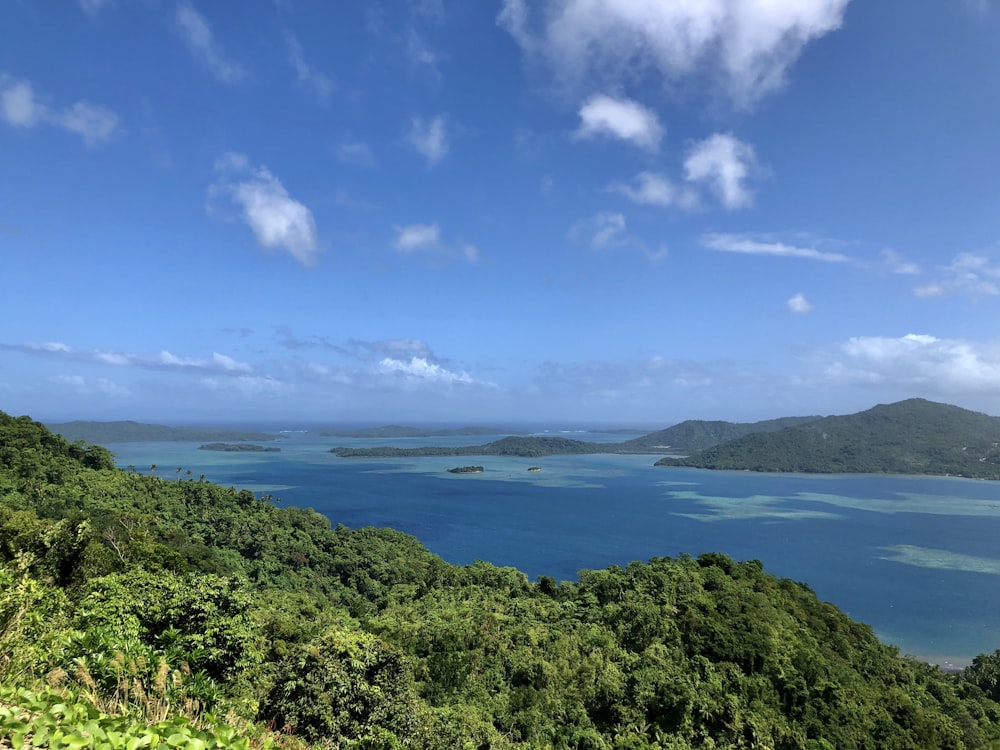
137,611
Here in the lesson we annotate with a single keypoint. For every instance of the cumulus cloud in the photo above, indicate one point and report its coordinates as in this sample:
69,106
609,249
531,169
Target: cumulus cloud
723,163
919,361
624,119
734,243
653,189
417,237
161,360
308,76
741,49
200,40
969,273
277,220
429,138
419,370
20,107
799,305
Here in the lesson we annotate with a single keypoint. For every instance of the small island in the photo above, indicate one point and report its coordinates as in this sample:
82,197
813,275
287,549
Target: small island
534,468
239,448
466,470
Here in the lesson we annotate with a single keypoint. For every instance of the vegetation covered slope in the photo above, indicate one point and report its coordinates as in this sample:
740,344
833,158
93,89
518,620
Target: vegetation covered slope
528,447
695,435
907,437
166,603
128,432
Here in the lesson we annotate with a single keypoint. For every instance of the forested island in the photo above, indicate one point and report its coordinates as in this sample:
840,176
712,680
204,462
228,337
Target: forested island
466,470
908,437
138,432
398,431
135,611
915,436
525,447
239,448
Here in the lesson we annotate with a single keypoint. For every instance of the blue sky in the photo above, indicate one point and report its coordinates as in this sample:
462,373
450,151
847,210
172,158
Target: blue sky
575,211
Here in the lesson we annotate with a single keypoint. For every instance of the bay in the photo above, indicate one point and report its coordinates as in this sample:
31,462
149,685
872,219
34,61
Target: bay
917,558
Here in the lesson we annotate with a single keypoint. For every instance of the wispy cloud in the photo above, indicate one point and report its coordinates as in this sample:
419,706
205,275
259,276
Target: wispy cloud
417,236
654,189
277,220
308,76
355,152
969,273
735,243
93,7
921,361
429,138
161,360
743,49
897,264
799,305
608,230
198,36
92,386
21,107
426,239
724,164
623,119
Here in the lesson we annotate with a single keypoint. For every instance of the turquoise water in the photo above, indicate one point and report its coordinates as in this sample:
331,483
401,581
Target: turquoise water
917,558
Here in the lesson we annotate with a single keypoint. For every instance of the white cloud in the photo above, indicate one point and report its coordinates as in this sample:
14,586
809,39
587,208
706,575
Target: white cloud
418,369
18,105
734,243
968,273
799,305
742,48
417,237
277,220
161,360
429,138
93,7
21,108
199,38
619,118
653,189
93,386
94,124
724,164
919,360
608,230
355,152
307,75
897,264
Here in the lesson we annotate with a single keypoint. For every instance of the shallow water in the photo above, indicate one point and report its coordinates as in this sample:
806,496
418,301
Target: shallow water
915,557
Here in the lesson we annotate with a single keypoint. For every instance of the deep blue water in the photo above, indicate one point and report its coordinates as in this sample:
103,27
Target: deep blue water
915,557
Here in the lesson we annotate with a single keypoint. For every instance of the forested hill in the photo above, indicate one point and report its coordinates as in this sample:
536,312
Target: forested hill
129,432
908,437
695,434
134,609
527,447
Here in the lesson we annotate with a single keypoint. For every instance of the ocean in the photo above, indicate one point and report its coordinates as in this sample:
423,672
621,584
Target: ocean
917,558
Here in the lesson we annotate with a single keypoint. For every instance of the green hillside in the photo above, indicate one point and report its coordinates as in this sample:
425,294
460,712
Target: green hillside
137,432
527,447
695,435
135,611
908,437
